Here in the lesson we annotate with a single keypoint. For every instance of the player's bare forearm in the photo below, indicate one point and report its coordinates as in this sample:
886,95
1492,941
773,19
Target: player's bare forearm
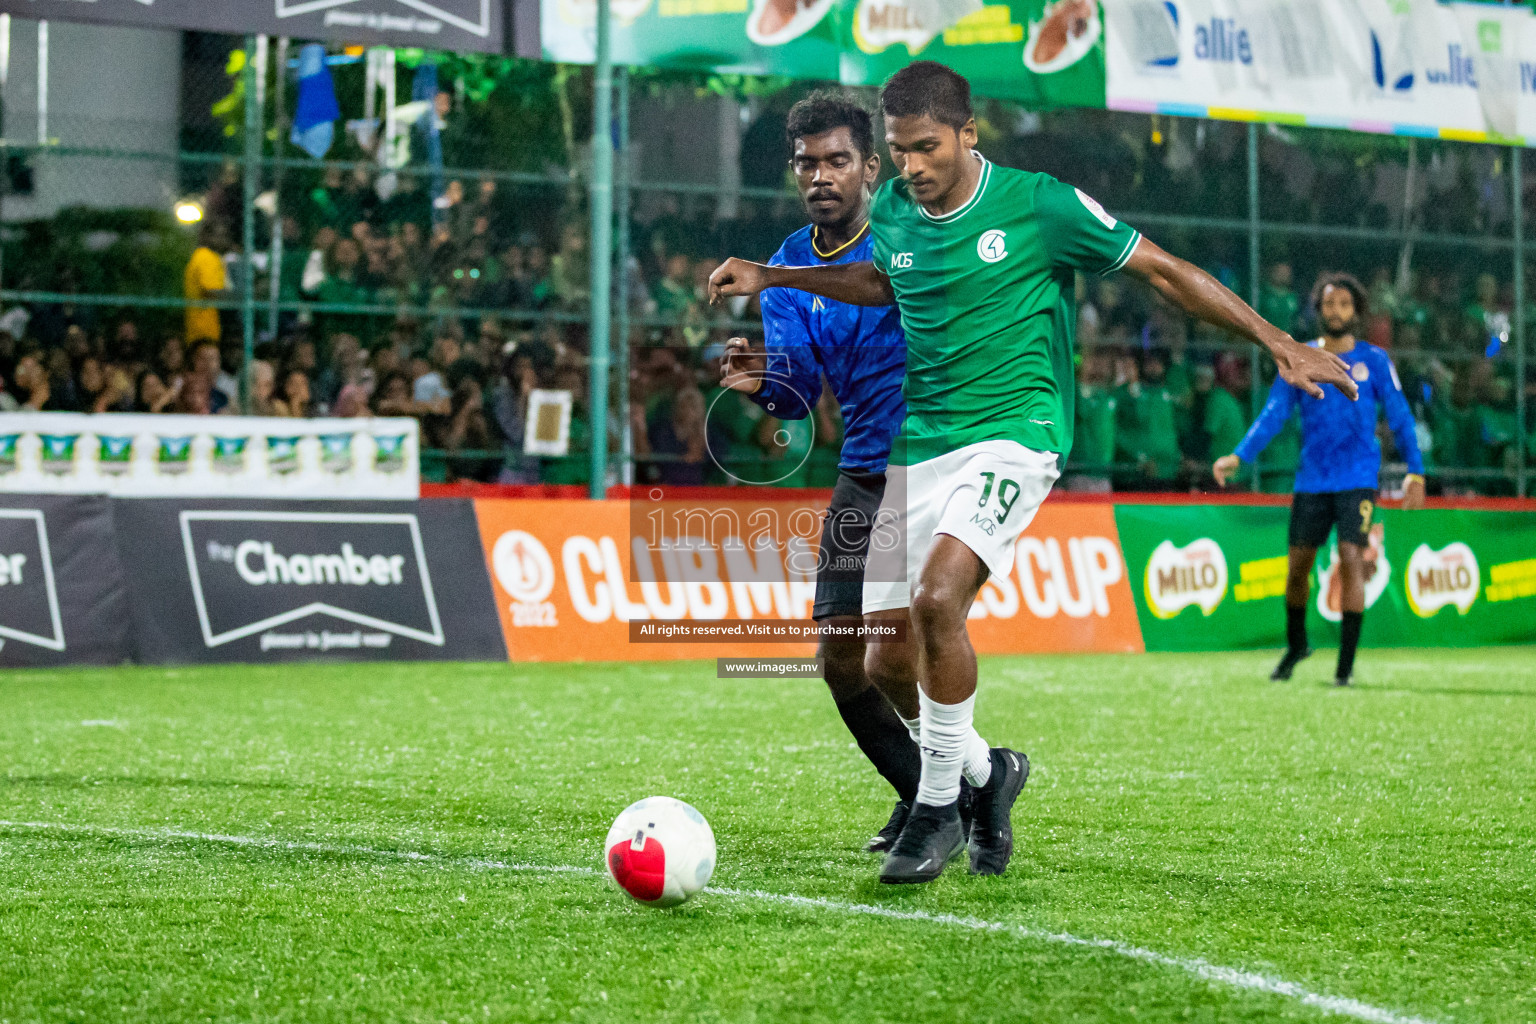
1200,295
858,284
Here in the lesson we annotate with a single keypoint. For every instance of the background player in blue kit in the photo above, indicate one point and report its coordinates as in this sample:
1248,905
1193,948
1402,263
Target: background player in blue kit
862,353
1340,464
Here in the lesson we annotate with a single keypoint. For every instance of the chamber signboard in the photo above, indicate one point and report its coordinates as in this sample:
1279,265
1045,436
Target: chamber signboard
432,24
275,581
61,586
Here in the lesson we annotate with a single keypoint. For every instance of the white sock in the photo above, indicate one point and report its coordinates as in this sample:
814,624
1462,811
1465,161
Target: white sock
946,733
978,760
977,766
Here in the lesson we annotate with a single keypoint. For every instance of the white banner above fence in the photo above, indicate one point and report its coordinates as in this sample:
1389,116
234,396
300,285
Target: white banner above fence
1464,71
141,456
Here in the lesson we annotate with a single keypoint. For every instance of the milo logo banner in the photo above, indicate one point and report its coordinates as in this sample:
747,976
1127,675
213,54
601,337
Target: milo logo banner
1467,578
1206,578
1213,578
1042,52
139,456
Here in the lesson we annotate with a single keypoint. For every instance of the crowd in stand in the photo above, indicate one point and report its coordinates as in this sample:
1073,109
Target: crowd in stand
1160,405
497,285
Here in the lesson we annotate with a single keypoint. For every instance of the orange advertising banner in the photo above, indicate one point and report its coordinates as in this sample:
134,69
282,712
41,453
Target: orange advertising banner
598,580
1069,589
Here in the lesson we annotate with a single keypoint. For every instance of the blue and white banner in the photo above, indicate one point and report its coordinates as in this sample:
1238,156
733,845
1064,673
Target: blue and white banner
1463,71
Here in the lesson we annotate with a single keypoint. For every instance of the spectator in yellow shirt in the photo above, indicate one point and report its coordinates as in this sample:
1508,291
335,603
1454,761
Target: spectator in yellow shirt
205,279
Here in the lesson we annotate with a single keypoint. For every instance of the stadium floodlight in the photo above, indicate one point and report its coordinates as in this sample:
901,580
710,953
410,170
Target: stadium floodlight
189,211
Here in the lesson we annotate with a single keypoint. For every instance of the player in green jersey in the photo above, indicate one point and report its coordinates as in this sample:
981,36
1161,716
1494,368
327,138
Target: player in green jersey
980,260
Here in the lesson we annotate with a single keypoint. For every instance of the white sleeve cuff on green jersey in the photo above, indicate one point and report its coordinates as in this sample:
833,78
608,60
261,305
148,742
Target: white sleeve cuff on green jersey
1125,255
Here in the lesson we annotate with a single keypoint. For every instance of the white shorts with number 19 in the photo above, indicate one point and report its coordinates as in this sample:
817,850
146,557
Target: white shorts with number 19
985,495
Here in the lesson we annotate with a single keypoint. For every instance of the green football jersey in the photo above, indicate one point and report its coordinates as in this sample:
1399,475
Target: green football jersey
985,294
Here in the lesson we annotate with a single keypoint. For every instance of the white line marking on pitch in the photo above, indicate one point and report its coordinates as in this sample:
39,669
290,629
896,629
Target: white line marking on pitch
1203,969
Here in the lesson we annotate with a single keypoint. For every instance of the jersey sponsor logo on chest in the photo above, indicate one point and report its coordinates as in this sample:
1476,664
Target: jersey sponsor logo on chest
992,246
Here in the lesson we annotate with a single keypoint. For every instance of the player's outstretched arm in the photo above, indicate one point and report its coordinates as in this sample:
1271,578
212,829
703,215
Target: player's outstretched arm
1276,413
1201,295
1400,419
858,284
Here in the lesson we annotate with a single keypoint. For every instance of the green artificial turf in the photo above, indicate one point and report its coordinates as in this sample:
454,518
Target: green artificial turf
1373,844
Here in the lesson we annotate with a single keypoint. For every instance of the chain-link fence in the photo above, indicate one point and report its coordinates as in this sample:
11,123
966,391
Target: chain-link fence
223,238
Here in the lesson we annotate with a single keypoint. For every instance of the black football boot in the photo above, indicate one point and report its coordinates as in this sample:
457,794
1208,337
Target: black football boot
931,838
992,831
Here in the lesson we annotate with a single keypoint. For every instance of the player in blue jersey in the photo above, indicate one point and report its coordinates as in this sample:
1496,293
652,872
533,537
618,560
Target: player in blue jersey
1340,463
862,353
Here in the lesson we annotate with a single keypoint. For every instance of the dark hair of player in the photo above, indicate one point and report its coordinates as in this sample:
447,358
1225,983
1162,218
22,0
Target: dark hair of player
1339,279
928,87
824,110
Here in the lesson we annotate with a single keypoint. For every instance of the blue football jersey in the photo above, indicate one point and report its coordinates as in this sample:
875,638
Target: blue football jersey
1339,450
860,349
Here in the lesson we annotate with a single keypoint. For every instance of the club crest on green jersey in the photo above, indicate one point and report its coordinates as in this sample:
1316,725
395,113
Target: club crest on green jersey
992,246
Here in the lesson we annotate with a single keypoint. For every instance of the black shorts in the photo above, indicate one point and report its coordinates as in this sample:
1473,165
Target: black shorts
1313,516
845,542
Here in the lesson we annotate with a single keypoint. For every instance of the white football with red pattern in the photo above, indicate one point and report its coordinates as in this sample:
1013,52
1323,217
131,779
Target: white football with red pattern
660,851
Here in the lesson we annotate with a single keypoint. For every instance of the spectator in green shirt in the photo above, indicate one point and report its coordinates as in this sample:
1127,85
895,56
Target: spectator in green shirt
1218,422
343,277
1146,425
1093,436
573,467
1172,332
1226,418
673,294
1496,429
1278,302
